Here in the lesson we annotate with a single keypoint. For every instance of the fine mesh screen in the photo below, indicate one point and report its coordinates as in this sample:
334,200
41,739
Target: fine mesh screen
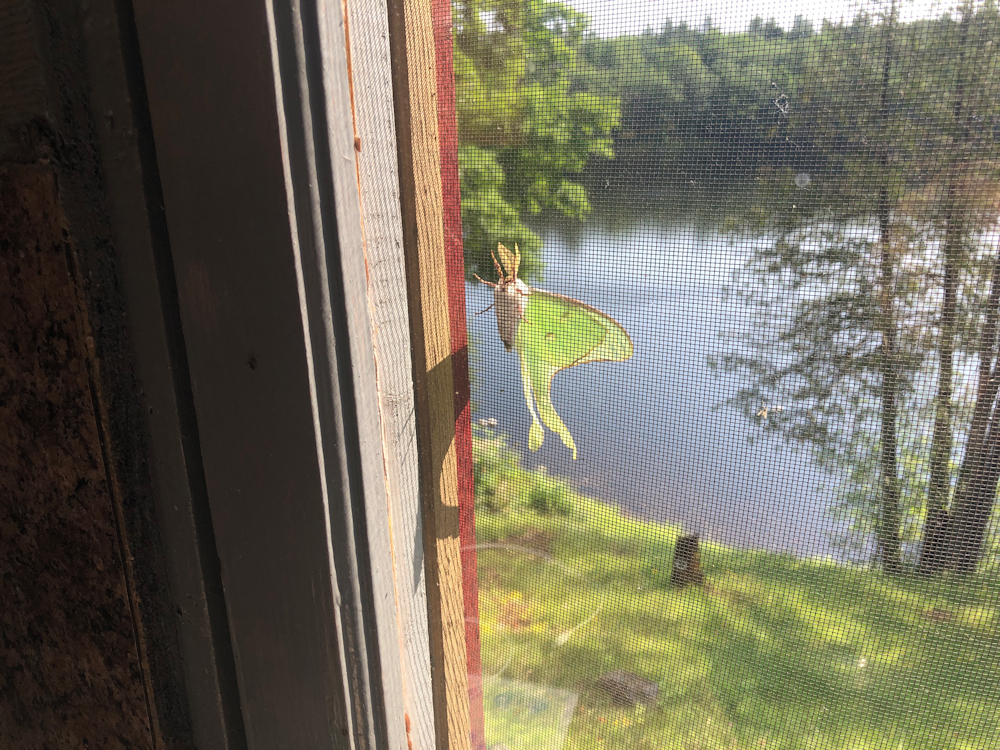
767,235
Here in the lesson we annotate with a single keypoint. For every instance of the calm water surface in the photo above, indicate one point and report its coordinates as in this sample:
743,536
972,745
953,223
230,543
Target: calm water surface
649,436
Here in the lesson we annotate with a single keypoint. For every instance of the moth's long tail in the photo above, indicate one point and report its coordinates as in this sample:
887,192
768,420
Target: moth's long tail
536,435
537,377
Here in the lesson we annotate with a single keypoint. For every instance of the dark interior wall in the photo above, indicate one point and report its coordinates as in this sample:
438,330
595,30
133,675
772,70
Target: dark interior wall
71,670
91,621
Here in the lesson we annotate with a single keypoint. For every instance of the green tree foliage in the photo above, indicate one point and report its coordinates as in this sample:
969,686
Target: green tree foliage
839,362
526,129
884,266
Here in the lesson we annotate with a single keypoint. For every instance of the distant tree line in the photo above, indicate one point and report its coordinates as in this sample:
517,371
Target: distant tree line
723,105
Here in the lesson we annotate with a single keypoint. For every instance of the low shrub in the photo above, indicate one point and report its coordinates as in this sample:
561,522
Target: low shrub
495,464
501,482
549,495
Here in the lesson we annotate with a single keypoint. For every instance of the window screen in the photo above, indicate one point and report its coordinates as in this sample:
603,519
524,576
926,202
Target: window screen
733,302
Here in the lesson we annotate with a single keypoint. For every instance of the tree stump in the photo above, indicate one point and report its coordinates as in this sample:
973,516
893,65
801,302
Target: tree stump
687,562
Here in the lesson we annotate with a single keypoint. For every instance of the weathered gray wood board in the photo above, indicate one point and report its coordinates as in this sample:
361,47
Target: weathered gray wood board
378,181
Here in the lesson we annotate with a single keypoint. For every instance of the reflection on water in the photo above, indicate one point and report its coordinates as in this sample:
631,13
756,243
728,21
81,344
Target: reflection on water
650,437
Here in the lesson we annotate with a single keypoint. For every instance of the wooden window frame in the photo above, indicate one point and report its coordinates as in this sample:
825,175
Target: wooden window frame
301,289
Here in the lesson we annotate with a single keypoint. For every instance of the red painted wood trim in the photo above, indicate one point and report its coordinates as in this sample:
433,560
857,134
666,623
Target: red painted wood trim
455,260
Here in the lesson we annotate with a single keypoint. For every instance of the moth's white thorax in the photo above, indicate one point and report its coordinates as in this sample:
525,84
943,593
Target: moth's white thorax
511,298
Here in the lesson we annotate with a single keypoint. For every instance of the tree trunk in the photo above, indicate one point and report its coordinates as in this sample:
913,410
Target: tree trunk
970,520
977,481
937,551
942,438
687,562
890,522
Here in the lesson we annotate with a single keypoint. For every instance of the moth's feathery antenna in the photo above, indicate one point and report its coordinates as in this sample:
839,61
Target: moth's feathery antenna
488,283
499,268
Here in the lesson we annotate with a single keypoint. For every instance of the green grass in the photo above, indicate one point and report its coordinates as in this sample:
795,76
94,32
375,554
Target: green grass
774,652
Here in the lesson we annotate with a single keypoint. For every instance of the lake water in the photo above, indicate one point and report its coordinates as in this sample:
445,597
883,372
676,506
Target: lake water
649,436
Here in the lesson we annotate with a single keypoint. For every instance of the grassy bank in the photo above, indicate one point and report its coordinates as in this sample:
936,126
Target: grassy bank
772,652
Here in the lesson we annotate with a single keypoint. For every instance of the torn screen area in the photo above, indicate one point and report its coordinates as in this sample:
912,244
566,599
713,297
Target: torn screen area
733,303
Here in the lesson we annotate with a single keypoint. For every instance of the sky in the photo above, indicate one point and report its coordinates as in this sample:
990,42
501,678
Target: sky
613,17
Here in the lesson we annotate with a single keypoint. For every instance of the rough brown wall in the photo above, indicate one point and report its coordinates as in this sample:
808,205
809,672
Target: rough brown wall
69,666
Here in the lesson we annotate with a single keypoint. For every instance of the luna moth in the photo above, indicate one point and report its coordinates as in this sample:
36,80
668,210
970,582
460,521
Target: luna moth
550,333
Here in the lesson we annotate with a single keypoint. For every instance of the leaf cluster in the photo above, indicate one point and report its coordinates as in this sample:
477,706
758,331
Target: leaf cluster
526,128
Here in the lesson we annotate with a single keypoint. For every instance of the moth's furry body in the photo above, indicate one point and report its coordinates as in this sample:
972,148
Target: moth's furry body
510,298
510,295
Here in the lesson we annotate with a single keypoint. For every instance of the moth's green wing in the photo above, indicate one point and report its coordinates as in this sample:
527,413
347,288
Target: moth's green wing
559,332
616,346
567,332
